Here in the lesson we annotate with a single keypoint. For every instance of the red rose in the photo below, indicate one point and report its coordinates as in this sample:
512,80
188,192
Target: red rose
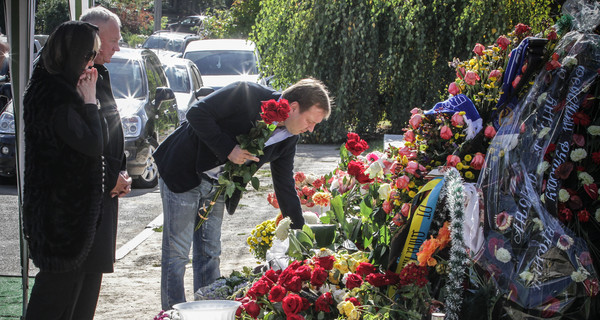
295,317
452,160
325,262
365,268
252,308
405,210
318,183
355,168
453,89
503,42
552,35
304,272
377,279
277,294
489,132
273,111
318,276
445,133
460,72
283,110
293,284
292,304
521,29
355,144
262,287
387,206
353,281
412,167
478,49
308,191
471,78
553,64
478,161
324,302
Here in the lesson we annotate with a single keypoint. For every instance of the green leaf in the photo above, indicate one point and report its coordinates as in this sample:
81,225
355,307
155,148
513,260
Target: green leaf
229,189
255,183
365,210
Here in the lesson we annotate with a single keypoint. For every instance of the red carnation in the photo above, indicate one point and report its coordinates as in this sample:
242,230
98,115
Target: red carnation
583,215
565,215
355,144
323,302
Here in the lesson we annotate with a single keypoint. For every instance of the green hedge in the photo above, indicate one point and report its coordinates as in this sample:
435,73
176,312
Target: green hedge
380,58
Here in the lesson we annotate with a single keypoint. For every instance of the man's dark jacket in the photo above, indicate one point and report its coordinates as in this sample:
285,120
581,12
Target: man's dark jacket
205,141
102,254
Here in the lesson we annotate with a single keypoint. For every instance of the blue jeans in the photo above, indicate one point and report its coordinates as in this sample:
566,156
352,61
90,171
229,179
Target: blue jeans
180,211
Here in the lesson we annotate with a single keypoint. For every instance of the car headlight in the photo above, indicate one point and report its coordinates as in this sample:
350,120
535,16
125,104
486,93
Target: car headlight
132,126
7,122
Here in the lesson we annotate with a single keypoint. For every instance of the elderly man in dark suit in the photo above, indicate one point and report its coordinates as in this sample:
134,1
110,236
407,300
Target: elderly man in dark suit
190,160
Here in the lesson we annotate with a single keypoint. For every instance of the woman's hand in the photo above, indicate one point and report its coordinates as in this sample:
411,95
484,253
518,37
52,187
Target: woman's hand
86,86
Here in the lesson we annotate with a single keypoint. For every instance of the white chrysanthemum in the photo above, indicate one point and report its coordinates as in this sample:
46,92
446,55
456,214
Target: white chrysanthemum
563,195
585,178
580,275
281,232
339,295
311,217
537,224
578,154
594,130
569,61
542,98
375,170
310,178
503,255
543,132
526,276
542,167
384,191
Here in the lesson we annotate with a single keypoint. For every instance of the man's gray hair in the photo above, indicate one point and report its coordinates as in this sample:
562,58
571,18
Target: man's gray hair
99,14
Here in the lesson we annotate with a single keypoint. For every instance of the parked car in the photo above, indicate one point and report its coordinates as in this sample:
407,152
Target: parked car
224,61
186,82
147,108
189,24
169,43
7,143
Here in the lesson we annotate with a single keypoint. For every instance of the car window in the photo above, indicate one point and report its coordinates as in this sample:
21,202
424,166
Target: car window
126,79
175,45
155,42
196,78
179,79
156,75
213,63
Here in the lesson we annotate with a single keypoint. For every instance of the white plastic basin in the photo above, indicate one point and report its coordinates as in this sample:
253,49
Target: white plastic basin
208,309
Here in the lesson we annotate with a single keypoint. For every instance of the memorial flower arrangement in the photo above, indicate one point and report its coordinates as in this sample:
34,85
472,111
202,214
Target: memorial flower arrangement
306,187
237,176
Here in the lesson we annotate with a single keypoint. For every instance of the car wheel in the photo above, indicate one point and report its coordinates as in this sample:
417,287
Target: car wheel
148,178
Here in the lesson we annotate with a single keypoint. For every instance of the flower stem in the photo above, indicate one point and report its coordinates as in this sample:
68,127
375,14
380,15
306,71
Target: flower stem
204,211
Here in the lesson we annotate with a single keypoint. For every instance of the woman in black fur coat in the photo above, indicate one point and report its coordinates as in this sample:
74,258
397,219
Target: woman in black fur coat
63,187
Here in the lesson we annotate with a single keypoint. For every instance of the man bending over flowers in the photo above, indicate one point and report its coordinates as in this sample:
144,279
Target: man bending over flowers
190,160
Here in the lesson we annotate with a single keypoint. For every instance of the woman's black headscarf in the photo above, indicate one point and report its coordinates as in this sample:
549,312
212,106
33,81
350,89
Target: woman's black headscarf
68,49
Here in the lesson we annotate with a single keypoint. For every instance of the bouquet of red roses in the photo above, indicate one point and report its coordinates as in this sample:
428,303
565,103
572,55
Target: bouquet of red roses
237,176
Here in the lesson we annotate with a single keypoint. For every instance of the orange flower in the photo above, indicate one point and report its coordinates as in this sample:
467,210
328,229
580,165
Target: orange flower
444,235
322,198
428,248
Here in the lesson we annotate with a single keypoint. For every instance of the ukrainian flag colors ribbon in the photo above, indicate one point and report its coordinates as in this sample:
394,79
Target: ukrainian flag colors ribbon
420,220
